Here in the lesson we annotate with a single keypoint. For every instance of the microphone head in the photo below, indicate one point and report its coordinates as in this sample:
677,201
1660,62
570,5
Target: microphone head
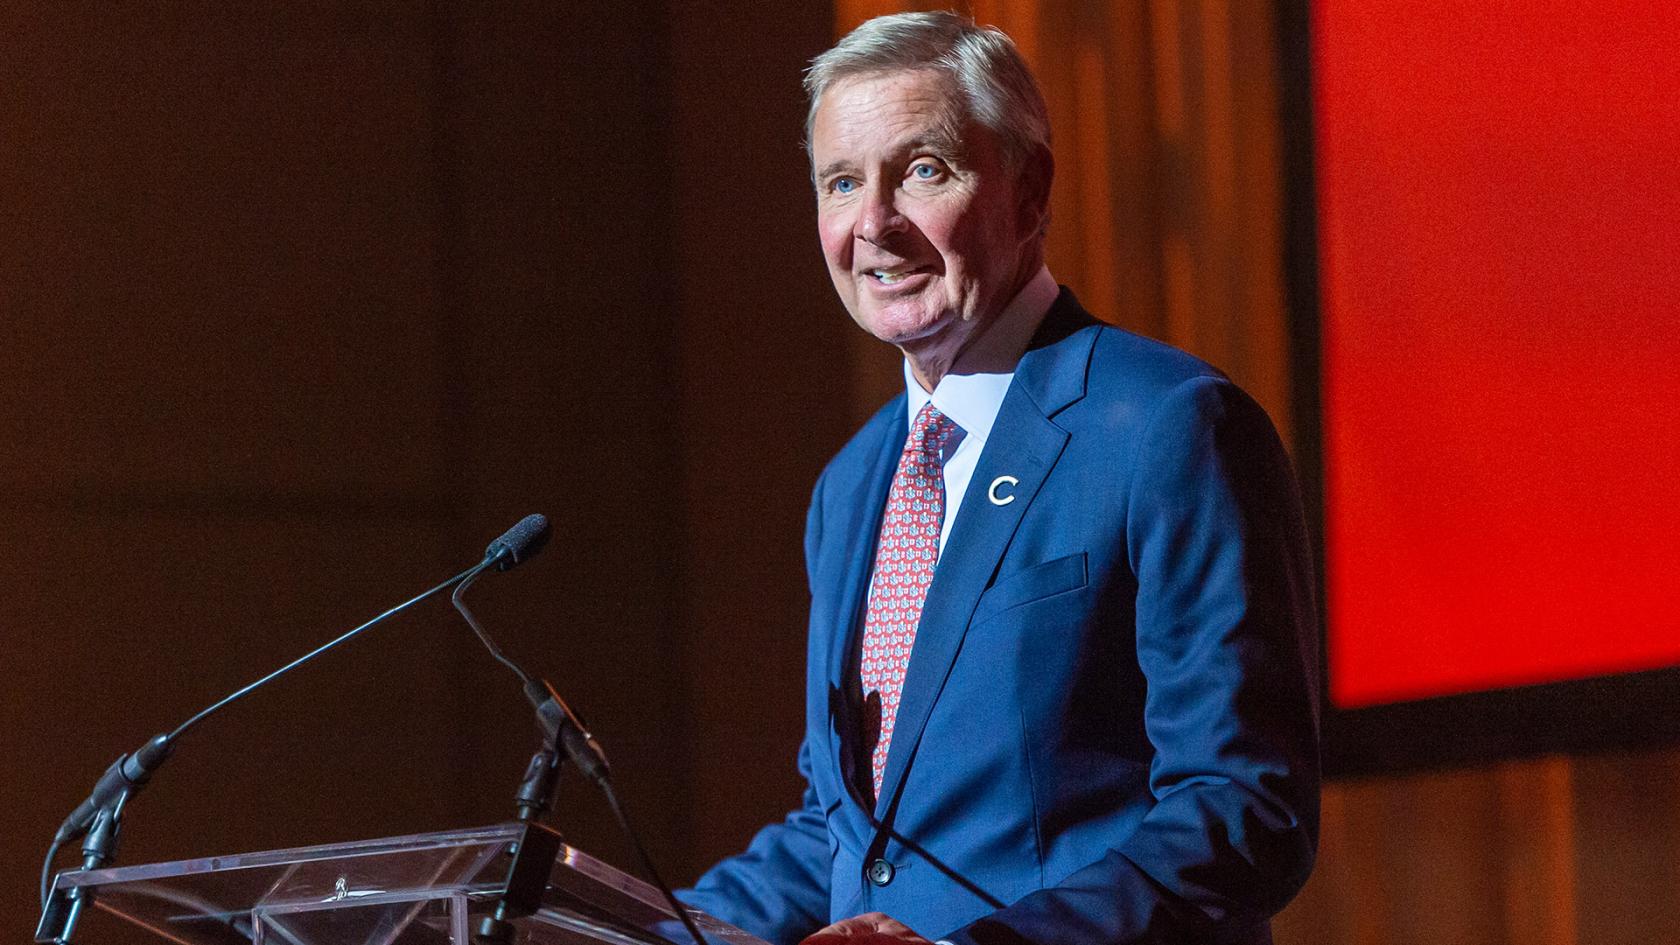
518,543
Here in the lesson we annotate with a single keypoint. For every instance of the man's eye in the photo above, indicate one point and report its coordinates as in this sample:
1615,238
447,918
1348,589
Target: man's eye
845,185
925,171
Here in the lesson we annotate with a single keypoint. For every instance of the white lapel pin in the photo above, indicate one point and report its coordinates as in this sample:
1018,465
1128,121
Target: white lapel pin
992,493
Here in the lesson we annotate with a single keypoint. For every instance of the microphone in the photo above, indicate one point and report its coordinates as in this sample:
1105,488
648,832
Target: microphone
519,543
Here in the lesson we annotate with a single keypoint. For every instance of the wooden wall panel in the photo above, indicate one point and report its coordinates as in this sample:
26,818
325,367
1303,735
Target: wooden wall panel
765,386
1537,846
156,614
193,206
299,307
1553,850
1627,817
552,189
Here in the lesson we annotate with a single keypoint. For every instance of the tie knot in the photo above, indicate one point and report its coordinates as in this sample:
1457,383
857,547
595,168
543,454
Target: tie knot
934,435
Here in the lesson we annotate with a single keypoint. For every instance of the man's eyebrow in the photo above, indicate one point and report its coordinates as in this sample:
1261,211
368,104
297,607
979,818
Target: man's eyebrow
832,167
938,142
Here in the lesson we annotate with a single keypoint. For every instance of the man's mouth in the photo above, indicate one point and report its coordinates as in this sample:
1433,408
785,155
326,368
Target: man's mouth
892,276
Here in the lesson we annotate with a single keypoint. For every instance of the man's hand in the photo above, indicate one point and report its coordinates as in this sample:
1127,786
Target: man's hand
871,928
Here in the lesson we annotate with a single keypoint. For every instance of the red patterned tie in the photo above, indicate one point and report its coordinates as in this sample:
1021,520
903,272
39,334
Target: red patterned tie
904,560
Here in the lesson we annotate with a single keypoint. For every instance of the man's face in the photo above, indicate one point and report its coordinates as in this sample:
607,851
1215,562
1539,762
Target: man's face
923,229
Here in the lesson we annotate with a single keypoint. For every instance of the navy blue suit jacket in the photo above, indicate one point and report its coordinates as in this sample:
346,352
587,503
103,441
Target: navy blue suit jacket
1108,730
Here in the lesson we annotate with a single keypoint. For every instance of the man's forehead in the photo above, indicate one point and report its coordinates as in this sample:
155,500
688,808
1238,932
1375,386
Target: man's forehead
888,111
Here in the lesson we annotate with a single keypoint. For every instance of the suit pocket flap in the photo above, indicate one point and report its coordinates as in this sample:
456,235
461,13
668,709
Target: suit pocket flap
1046,579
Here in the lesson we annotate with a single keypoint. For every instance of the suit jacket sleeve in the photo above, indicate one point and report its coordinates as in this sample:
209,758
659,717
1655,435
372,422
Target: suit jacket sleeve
1226,639
778,888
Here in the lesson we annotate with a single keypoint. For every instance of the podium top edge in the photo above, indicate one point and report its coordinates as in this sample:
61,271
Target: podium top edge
472,836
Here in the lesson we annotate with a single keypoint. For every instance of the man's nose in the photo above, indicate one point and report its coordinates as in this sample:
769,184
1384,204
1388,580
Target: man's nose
879,216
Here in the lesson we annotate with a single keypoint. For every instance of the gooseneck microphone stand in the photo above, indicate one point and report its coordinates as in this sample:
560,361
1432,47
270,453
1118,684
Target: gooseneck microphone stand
98,819
564,737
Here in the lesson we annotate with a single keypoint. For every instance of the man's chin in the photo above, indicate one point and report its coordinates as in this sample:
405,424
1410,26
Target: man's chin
901,325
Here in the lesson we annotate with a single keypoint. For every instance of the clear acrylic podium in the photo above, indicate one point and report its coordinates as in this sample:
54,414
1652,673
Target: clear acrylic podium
427,889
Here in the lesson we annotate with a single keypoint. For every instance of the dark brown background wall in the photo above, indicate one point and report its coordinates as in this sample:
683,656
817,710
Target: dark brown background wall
300,305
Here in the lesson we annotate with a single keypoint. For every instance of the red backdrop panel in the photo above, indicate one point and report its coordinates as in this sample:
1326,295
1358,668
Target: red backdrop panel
1499,200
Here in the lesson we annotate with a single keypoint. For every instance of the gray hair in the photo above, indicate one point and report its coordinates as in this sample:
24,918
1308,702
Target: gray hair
981,61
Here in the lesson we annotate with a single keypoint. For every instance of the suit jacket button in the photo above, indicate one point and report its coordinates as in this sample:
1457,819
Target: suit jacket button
880,872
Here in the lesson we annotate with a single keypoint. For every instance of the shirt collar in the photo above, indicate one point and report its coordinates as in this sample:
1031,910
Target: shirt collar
972,401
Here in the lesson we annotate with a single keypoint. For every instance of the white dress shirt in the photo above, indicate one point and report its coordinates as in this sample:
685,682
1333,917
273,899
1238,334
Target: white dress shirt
972,402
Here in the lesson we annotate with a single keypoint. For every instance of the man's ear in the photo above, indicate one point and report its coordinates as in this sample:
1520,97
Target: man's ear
1034,209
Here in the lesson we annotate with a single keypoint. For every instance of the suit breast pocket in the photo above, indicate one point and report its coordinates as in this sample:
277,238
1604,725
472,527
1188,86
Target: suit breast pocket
1035,583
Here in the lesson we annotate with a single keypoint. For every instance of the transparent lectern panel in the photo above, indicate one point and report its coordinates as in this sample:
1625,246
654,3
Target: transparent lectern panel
209,901
387,922
415,890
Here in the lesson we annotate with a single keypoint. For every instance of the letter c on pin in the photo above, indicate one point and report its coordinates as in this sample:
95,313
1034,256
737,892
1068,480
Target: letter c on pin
992,493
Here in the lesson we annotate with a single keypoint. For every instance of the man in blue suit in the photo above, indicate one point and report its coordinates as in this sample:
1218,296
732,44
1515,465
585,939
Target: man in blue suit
1061,680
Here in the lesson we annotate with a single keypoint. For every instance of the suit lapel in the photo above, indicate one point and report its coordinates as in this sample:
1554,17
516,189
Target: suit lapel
1024,445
